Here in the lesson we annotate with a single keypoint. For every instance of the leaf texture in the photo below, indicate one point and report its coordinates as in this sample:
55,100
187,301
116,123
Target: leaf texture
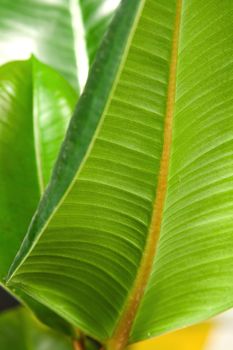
87,244
31,132
99,229
192,275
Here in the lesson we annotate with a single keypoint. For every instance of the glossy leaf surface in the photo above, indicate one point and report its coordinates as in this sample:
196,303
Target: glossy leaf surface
158,166
36,104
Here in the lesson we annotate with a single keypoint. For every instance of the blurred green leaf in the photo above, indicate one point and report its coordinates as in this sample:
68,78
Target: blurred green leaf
19,330
96,17
62,33
36,105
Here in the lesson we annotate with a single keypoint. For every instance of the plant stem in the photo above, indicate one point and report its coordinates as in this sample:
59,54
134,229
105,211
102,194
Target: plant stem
78,344
82,342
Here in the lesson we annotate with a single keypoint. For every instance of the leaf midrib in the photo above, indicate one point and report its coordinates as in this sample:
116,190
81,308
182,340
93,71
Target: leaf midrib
121,334
122,331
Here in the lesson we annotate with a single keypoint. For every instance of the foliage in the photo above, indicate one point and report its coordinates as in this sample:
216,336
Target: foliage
133,235
20,330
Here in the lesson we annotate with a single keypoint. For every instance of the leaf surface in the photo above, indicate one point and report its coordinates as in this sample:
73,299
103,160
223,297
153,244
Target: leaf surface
192,273
36,104
106,212
138,212
45,315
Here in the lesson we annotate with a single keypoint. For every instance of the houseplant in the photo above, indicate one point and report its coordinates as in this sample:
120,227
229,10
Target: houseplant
133,235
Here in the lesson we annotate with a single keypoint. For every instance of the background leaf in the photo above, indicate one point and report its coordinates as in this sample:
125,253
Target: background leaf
19,330
41,27
96,16
35,105
55,32
53,104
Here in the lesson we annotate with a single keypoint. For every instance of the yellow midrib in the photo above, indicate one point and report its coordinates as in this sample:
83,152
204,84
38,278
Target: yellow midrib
120,337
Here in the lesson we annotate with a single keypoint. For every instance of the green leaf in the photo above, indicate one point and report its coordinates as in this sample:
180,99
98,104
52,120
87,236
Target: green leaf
148,157
45,315
92,245
53,103
19,330
36,104
53,31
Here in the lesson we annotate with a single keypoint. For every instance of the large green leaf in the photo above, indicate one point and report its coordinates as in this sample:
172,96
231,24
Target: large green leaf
19,330
148,155
59,32
94,214
36,104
